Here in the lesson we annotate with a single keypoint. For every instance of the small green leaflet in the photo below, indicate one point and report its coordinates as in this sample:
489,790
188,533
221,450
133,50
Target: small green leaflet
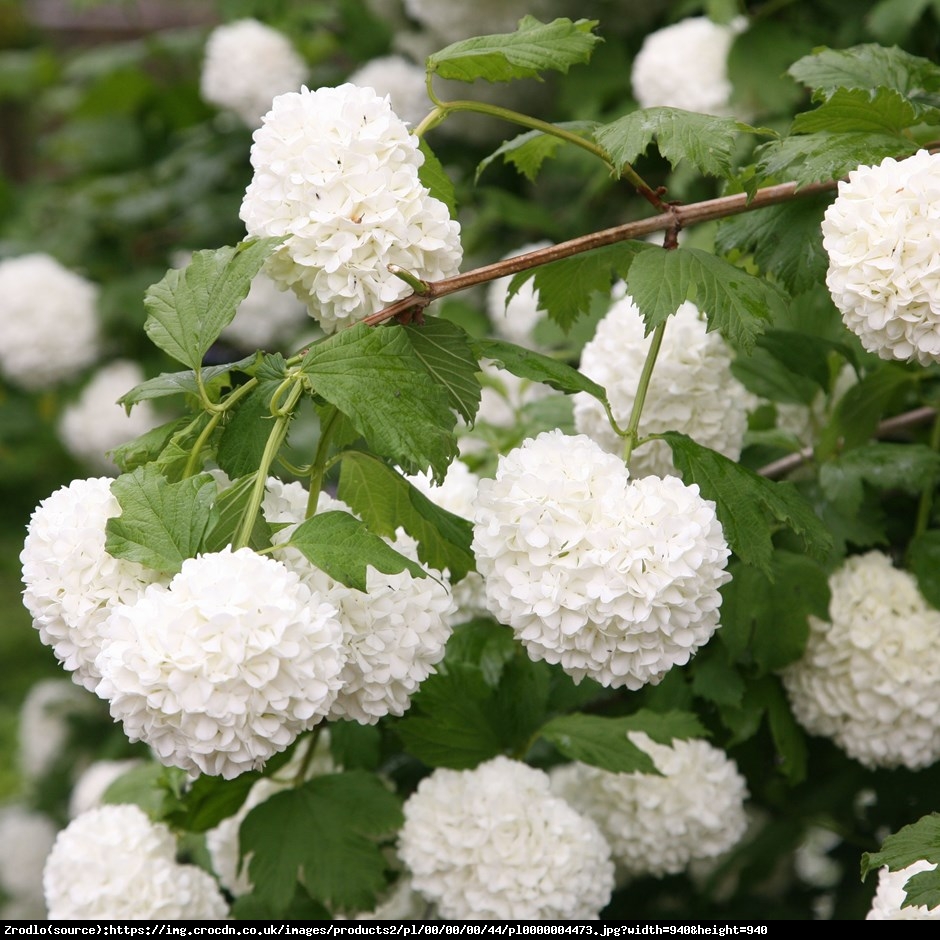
707,142
189,308
344,548
385,500
433,176
854,110
231,505
527,152
327,834
603,742
375,378
916,842
747,504
179,383
532,49
923,561
734,302
161,524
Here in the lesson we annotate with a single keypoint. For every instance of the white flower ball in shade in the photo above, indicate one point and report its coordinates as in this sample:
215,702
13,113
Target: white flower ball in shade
113,863
336,175
890,894
404,82
882,238
495,843
685,66
692,389
659,825
224,667
96,423
868,679
27,838
614,579
246,65
71,581
48,320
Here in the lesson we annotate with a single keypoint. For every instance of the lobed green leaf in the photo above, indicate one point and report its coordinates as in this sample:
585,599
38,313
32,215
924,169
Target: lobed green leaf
919,841
434,177
527,152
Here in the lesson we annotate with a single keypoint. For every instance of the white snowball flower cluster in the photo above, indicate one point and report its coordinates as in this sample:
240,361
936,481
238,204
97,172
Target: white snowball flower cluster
246,65
113,863
401,80
225,666
71,581
685,66
96,423
494,843
881,236
890,894
336,172
868,678
27,838
692,389
659,825
48,320
394,633
516,319
613,579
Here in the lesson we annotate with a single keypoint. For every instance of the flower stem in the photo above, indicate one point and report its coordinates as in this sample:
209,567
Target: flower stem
633,425
318,467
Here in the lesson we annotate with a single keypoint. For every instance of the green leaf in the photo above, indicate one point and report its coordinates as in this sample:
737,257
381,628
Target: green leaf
354,746
344,548
707,142
178,383
919,841
325,833
149,445
748,505
787,734
433,176
714,678
161,524
732,301
151,786
923,561
603,742
209,800
907,467
532,49
867,66
374,377
485,644
385,500
527,152
766,376
527,364
446,353
764,617
190,307
230,506
855,110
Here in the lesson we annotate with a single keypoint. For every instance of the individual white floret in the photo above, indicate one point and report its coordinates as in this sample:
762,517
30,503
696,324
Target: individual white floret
72,583
613,579
401,80
246,65
27,838
685,65
336,175
48,320
658,825
868,678
495,843
890,895
95,423
113,863
882,237
224,667
692,389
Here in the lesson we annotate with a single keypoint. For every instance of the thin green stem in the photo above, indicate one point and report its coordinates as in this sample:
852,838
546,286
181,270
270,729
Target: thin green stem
311,746
318,467
925,503
633,425
192,462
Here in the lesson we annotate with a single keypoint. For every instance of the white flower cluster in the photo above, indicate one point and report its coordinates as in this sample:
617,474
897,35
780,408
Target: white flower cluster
72,583
515,319
96,423
336,173
225,666
48,320
113,863
27,838
659,825
494,843
394,633
685,66
613,579
401,80
246,65
868,678
890,894
692,389
882,239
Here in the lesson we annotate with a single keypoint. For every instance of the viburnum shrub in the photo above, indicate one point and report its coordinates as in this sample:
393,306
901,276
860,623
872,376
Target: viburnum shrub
425,614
